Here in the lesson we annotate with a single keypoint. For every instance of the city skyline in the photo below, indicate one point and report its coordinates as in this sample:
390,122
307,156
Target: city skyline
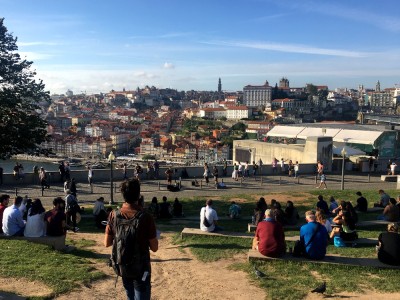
92,46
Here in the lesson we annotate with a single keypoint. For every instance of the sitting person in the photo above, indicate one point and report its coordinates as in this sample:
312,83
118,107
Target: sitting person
347,230
314,237
322,205
234,210
99,212
291,215
259,211
177,208
209,218
333,205
56,219
35,224
321,219
13,223
165,209
279,213
384,199
341,207
389,246
4,199
154,208
269,238
391,212
362,203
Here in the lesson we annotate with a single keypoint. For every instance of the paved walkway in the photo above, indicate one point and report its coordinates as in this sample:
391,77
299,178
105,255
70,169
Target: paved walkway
157,188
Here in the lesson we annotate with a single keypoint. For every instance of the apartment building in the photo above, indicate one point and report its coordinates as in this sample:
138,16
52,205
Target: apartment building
257,95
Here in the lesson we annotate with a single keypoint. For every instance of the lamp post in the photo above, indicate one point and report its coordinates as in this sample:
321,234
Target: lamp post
111,158
343,152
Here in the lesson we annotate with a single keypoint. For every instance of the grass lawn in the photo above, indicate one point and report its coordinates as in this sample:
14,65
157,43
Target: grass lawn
60,271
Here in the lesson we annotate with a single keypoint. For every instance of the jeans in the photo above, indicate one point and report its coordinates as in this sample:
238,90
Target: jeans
137,289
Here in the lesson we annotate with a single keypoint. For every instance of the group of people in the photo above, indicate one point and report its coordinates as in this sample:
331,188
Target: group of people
292,169
27,217
246,170
165,210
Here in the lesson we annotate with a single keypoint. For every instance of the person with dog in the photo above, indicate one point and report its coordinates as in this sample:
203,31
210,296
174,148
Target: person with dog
136,286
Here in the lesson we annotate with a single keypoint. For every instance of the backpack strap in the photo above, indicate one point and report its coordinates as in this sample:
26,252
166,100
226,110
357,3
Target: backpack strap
313,236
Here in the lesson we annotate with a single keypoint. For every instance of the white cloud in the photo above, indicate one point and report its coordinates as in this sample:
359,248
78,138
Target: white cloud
168,65
38,43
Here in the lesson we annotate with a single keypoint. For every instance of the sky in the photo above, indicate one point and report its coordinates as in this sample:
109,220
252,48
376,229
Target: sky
92,46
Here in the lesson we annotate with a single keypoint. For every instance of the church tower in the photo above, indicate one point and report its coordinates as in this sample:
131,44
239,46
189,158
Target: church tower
378,87
219,86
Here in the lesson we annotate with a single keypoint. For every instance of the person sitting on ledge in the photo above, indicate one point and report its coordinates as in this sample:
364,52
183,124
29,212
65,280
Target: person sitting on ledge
56,218
391,212
259,211
99,212
314,236
177,208
35,224
389,246
384,200
234,211
165,209
13,223
269,238
209,218
362,203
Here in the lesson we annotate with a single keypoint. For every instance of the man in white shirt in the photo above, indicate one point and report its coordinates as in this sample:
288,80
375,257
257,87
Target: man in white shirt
13,224
209,218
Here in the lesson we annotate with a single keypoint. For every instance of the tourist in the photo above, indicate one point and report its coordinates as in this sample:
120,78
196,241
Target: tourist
290,168
147,239
255,168
314,237
168,174
4,200
321,219
240,170
90,175
67,170
259,211
389,245
322,205
322,179
320,168
278,212
71,210
296,169
234,210
235,172
43,179
13,223
225,168
215,174
125,171
362,203
165,209
347,230
61,170
384,199
282,165
154,208
177,208
209,218
391,212
332,205
99,212
56,219
274,165
393,168
35,223
246,171
291,214
269,238
156,166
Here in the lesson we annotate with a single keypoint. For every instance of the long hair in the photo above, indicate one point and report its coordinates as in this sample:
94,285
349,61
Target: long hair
36,208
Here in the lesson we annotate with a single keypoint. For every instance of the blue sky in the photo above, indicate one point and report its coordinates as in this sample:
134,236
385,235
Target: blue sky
96,46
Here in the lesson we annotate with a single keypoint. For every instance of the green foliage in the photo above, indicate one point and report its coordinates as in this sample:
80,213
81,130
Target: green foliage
312,89
20,123
60,271
239,127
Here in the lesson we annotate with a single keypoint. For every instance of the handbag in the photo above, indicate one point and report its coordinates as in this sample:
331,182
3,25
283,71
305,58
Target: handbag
299,248
205,221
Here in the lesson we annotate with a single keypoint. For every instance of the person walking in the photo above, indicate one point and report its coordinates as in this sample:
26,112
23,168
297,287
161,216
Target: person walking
144,235
322,179
206,173
43,179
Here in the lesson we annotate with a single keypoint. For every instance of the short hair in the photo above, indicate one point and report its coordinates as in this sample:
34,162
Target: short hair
4,197
381,191
320,197
130,190
358,194
164,198
393,201
269,213
18,200
310,215
209,202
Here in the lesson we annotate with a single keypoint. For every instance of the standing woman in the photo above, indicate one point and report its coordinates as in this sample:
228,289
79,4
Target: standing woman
42,179
235,172
206,172
168,173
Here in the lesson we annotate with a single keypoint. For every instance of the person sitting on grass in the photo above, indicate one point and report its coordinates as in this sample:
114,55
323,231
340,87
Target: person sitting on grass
259,211
234,210
391,212
291,215
177,208
322,205
99,212
389,246
332,205
209,218
269,238
56,219
35,224
347,230
321,219
165,209
154,208
314,237
13,223
4,200
362,203
384,199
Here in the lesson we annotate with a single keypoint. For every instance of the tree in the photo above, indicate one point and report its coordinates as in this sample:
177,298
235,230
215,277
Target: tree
21,127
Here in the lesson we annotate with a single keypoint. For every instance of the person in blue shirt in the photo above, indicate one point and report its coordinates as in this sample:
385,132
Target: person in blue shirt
316,248
13,223
322,205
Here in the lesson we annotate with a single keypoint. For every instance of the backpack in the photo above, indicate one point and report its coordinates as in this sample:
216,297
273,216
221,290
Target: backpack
127,260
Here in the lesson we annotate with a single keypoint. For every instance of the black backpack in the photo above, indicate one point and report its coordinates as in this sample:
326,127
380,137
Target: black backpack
127,259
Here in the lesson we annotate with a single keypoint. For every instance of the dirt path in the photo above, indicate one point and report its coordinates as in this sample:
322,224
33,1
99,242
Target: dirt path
176,274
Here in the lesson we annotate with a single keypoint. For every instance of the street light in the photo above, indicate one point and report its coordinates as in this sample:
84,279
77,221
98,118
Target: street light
344,153
111,158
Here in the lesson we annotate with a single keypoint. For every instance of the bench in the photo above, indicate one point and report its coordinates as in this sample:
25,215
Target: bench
252,228
372,223
57,242
373,210
329,259
195,231
359,241
391,178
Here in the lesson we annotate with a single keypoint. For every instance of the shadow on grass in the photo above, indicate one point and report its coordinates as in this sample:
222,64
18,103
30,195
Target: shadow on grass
88,254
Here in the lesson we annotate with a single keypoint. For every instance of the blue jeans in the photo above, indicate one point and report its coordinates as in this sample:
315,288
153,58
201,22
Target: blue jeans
382,217
137,289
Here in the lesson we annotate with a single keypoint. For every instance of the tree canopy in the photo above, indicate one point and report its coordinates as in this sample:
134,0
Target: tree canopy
22,129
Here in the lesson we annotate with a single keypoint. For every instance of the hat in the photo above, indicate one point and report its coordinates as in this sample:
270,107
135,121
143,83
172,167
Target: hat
310,213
